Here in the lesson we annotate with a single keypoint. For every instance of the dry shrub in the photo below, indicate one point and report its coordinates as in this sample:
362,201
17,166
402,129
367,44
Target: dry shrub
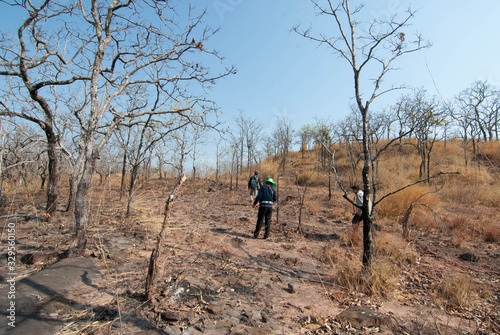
492,151
460,227
491,231
331,254
353,236
457,290
397,204
457,223
394,248
423,217
349,276
313,209
305,178
266,169
381,281
489,195
473,186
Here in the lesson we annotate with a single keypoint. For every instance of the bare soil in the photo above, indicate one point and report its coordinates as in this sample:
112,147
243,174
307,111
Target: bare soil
217,279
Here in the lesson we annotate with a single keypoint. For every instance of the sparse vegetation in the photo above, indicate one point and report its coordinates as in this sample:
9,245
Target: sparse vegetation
205,246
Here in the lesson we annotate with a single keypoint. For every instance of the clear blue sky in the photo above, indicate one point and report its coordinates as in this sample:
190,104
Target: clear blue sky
282,73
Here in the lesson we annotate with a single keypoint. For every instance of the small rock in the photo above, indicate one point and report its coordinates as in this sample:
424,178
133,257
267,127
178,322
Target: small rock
214,309
468,256
363,317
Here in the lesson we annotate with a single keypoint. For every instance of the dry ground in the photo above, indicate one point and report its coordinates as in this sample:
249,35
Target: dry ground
218,280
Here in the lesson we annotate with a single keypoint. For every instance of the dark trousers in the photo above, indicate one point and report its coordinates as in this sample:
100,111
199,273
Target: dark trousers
264,213
357,218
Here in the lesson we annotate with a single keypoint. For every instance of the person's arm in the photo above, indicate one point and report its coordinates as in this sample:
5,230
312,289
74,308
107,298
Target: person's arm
257,197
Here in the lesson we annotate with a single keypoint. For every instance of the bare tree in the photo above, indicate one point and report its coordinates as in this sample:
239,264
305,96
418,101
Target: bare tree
322,134
249,131
306,135
427,116
283,138
377,47
480,103
105,49
32,66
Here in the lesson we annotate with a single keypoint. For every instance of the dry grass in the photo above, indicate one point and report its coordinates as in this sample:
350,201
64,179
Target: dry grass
457,290
352,236
491,231
394,248
391,254
332,254
397,205
382,280
473,186
316,179
313,209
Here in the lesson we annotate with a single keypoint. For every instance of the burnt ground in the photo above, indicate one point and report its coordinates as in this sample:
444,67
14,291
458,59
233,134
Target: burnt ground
216,279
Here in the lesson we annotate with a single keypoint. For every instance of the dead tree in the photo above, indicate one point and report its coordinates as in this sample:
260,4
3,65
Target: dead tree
374,49
153,269
301,195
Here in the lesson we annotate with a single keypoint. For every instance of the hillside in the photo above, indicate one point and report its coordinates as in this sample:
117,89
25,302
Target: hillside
218,280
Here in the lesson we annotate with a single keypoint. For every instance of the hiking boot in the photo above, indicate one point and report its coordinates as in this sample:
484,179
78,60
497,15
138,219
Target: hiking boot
253,236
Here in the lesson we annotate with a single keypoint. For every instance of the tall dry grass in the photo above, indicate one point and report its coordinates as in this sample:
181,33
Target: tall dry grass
392,254
459,290
477,183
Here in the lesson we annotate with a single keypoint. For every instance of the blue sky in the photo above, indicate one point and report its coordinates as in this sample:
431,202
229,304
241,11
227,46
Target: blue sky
282,73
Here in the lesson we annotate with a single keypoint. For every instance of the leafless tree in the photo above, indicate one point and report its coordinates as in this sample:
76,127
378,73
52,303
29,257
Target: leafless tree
428,116
31,67
249,131
322,132
23,155
282,135
306,134
373,49
480,104
105,49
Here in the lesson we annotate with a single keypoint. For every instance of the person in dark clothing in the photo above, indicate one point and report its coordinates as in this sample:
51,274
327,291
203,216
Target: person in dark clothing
265,198
253,185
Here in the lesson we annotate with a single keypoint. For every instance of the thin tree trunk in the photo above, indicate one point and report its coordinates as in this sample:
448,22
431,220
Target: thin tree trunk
153,269
52,191
133,178
367,220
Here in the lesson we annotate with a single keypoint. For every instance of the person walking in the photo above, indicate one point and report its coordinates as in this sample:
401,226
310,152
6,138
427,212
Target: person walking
265,198
253,185
358,194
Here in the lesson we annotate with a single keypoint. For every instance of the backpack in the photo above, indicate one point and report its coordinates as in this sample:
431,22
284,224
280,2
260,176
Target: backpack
253,182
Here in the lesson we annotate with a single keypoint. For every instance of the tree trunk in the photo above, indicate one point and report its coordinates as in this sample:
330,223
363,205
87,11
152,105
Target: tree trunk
133,178
124,173
73,183
367,220
52,191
